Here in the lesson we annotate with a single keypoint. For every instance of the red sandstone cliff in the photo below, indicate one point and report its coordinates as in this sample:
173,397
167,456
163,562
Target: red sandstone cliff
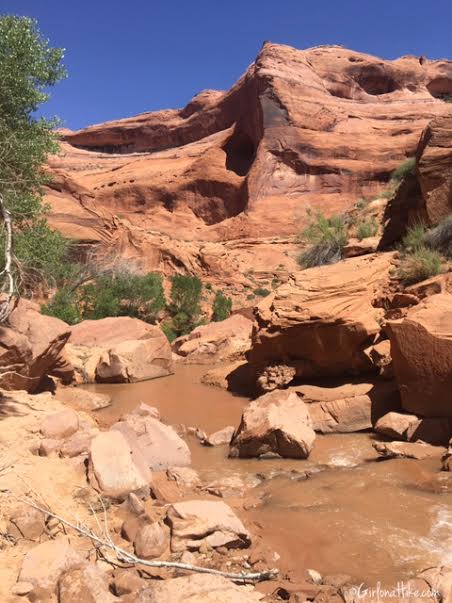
199,188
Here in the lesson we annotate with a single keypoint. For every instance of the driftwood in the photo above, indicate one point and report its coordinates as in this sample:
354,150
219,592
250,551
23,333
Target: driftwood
126,557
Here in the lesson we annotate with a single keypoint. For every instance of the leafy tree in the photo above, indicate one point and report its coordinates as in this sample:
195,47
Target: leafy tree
222,307
28,67
124,295
185,304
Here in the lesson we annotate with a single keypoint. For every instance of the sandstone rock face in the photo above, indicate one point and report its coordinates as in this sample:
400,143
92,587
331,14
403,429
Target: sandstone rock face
196,522
30,346
435,168
115,471
348,407
198,588
219,341
321,322
421,349
118,350
278,422
156,443
320,127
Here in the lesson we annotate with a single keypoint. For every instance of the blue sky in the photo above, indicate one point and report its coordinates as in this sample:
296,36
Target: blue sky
129,56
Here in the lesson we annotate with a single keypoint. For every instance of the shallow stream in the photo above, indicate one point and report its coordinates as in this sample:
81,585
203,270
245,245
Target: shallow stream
374,520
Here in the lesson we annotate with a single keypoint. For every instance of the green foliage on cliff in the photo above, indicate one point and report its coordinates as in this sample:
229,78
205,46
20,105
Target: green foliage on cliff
406,168
440,237
110,295
366,229
185,304
222,307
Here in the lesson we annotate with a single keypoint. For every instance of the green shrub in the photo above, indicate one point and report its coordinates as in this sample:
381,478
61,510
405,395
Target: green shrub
222,307
407,168
124,295
327,238
261,292
414,238
440,237
167,328
185,303
65,306
366,228
419,265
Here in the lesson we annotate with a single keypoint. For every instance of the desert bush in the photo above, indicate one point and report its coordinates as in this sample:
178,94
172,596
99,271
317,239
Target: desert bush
124,295
64,305
261,292
406,168
109,295
222,307
419,265
366,228
327,238
414,238
440,237
185,303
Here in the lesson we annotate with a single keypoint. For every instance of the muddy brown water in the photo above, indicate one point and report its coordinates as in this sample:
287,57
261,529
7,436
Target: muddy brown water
376,521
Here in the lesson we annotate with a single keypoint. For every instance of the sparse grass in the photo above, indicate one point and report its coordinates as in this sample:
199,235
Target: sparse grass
407,168
387,194
362,203
440,237
327,238
414,238
421,264
366,229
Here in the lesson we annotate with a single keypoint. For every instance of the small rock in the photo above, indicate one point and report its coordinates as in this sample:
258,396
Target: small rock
135,504
151,541
219,438
60,425
127,581
315,576
84,584
22,588
50,447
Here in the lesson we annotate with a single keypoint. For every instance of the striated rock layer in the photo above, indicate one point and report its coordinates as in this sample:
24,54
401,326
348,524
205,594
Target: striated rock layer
177,189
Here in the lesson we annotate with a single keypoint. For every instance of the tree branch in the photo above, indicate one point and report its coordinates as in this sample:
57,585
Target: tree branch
125,556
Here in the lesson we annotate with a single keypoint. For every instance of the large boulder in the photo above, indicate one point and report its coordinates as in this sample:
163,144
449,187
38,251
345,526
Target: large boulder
278,422
158,444
118,350
116,469
343,408
421,349
210,522
226,340
321,322
198,588
30,347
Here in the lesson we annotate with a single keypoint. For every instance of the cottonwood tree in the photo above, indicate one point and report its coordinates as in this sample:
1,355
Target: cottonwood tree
30,250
